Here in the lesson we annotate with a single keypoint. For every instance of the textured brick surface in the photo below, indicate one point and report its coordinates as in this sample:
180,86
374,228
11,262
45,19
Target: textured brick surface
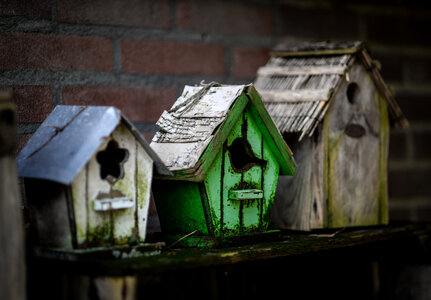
418,70
415,107
246,61
31,9
51,52
410,183
224,16
398,29
397,146
137,104
392,66
33,102
318,23
130,13
171,57
422,145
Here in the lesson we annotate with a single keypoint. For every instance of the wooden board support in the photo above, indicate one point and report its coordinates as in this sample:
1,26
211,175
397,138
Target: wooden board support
12,268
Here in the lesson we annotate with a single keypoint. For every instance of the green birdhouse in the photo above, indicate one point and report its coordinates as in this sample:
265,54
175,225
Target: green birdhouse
225,154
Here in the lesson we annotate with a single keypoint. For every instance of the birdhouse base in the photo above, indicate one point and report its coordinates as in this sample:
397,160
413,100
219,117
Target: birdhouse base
108,253
205,241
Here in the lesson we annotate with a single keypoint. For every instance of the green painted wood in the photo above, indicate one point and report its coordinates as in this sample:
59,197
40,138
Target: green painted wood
213,184
179,206
271,134
245,194
383,160
232,215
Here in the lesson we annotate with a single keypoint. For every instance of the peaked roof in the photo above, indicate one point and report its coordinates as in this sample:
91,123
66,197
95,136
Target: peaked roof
300,78
69,137
193,131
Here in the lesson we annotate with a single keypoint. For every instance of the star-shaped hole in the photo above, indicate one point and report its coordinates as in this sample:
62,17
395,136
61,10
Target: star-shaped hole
111,162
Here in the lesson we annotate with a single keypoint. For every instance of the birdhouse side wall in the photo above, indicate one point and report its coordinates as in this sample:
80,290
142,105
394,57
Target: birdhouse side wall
356,151
231,217
180,206
116,226
299,201
49,215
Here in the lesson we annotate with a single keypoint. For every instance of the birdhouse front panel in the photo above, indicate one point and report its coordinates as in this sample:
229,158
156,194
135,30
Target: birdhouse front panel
225,168
357,127
240,197
116,185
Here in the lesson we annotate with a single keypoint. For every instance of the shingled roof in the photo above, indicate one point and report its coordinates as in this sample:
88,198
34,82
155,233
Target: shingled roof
193,131
300,79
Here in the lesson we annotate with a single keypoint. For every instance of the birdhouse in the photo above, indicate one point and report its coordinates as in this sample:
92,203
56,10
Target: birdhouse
88,175
225,154
334,109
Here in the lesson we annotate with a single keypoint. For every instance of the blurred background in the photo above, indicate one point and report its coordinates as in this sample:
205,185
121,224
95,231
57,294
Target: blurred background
137,55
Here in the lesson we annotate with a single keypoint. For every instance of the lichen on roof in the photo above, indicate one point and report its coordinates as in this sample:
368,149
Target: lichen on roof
188,127
300,79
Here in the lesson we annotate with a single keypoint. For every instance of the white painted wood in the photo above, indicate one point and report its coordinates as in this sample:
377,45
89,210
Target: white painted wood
124,220
215,103
97,220
288,96
144,178
113,204
300,70
180,156
79,199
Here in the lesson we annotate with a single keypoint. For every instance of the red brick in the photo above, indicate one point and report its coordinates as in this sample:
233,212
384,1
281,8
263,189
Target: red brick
148,136
317,23
171,58
246,61
31,9
51,52
226,17
34,102
139,13
138,104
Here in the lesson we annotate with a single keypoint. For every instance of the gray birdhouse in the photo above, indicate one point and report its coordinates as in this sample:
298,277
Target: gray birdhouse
88,176
334,110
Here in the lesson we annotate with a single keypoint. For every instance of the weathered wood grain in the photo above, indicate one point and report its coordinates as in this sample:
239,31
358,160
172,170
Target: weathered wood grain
353,162
12,266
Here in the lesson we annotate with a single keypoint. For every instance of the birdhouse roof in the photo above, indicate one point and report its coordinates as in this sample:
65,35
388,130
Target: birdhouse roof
300,79
69,137
192,132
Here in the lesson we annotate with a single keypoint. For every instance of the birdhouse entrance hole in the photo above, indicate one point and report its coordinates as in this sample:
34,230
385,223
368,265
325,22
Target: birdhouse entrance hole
111,162
352,92
242,157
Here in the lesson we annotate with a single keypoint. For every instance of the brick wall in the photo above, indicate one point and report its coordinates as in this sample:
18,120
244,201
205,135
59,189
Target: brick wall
138,55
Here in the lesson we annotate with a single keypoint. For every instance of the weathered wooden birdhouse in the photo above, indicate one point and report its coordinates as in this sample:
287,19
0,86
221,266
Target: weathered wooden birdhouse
334,109
225,154
88,176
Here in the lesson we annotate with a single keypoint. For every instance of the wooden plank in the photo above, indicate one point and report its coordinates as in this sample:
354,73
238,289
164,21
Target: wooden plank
302,70
290,245
353,198
143,180
292,96
12,263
